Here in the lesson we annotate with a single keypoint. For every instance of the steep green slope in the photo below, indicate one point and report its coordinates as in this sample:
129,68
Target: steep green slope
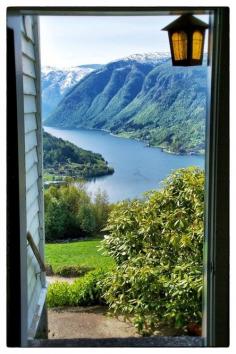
161,104
62,158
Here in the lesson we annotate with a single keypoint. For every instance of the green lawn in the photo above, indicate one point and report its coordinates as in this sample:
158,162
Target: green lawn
81,253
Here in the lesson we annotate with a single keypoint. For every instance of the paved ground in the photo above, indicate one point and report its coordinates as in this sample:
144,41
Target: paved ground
91,322
86,322
55,278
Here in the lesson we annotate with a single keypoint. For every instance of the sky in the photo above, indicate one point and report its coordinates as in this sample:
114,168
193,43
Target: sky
76,40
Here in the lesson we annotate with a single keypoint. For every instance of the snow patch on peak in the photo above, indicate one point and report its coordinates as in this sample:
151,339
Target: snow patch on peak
55,82
65,69
150,57
64,77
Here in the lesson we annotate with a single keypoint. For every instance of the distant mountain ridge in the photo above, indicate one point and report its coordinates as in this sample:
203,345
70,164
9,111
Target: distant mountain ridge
151,58
141,96
55,82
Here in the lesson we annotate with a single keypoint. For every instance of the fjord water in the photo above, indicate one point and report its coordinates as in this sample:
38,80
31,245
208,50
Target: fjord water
137,168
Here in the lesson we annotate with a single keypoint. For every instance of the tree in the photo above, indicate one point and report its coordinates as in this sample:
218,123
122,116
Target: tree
61,212
70,212
101,208
87,218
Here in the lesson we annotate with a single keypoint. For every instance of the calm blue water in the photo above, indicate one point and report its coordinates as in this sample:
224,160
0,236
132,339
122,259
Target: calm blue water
137,168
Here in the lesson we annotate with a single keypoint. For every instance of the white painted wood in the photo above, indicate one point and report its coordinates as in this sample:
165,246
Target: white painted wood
32,298
30,140
29,104
30,122
34,208
32,195
32,262
33,269
33,276
31,282
31,158
39,306
40,149
28,48
28,66
31,177
34,282
28,26
29,85
34,225
22,27
33,166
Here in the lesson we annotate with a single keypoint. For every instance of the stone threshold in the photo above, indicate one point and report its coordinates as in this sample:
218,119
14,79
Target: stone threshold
154,341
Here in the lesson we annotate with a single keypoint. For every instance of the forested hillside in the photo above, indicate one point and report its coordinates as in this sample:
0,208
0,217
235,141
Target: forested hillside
62,158
155,102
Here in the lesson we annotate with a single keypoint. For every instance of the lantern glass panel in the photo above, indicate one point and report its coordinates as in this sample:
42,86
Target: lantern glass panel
179,41
197,45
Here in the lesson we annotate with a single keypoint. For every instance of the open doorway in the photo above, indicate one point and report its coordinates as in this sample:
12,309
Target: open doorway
168,141
109,88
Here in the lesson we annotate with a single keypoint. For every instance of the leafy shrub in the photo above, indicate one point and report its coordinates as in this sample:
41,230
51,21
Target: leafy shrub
84,291
88,290
157,245
72,271
58,294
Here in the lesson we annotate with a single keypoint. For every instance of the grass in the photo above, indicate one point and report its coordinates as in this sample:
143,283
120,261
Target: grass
81,253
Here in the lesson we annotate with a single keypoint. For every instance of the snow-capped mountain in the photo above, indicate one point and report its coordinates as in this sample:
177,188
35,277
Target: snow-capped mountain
55,82
64,77
151,57
143,97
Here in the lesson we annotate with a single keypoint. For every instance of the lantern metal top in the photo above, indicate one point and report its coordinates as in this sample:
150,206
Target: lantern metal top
186,21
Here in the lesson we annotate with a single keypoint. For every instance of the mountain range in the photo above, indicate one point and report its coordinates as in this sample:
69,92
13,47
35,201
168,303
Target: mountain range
55,82
143,97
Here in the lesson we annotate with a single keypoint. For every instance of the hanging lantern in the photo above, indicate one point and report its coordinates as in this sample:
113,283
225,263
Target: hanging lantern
186,36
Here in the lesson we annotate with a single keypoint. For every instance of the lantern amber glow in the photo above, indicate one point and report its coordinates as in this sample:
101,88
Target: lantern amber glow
186,36
197,45
179,40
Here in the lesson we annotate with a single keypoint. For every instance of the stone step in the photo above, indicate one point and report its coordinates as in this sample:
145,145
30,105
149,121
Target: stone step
154,341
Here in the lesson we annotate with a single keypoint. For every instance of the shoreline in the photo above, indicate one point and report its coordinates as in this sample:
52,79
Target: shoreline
163,149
